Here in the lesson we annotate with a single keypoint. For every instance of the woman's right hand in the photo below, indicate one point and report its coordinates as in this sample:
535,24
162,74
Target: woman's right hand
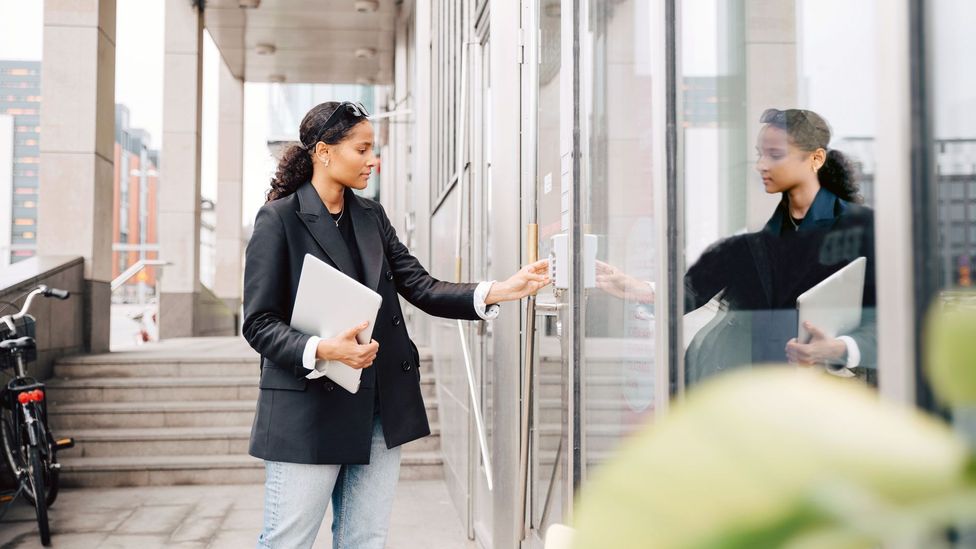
347,350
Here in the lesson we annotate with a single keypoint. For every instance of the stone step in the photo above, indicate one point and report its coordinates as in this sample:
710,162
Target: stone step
105,366
601,387
124,415
599,438
180,441
154,414
124,365
105,472
142,389
598,411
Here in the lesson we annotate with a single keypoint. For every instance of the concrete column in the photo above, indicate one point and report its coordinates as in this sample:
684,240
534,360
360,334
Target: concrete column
230,160
179,193
77,149
771,81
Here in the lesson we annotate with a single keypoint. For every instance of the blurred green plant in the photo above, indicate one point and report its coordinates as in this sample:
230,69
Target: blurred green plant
797,459
951,348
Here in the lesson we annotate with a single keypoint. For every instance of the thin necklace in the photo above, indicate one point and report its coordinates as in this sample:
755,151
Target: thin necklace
795,226
342,211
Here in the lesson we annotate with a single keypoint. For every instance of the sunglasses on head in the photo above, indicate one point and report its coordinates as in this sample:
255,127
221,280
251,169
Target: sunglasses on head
353,108
782,117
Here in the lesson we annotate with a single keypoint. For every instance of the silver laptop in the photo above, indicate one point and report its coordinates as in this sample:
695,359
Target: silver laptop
328,303
834,305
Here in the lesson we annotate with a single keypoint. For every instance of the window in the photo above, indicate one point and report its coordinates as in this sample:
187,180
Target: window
760,226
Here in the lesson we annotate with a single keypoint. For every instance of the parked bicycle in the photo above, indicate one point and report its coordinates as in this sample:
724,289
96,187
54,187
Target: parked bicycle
29,447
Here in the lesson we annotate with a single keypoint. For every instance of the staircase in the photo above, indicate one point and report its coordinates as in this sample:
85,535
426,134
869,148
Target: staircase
179,412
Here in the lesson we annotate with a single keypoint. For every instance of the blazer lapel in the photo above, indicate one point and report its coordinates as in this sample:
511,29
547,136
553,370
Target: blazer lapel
316,218
367,238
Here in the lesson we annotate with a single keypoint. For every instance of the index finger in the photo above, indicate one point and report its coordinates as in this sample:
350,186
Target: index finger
539,266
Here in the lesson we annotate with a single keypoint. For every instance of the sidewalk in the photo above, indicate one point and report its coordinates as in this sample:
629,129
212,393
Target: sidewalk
213,517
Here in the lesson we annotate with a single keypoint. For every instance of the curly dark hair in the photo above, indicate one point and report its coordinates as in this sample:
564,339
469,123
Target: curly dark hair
809,131
295,167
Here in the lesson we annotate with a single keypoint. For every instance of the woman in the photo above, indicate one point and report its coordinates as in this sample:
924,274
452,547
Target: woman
818,227
320,442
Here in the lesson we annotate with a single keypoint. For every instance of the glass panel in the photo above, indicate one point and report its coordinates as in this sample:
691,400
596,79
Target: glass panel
482,263
953,121
548,470
618,223
776,202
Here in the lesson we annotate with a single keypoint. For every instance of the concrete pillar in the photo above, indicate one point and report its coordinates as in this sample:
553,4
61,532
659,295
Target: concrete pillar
179,193
77,149
771,81
230,161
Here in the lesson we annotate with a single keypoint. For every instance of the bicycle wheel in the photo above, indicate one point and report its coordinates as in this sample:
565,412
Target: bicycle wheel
10,434
52,476
13,431
35,478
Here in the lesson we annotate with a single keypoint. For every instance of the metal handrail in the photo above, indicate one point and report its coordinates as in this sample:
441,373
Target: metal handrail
134,270
530,45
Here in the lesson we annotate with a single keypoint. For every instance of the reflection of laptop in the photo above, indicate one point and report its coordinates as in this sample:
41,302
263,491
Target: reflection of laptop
834,305
329,302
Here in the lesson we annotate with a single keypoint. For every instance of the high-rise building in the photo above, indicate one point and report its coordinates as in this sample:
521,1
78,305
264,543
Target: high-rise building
6,185
20,98
134,226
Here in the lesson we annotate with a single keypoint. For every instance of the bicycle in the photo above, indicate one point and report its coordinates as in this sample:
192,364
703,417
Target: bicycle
28,446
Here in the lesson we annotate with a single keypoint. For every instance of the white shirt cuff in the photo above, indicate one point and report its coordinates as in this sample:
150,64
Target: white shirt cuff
485,311
308,357
853,352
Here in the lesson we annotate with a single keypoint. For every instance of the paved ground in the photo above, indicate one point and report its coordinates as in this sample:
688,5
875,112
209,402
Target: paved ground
213,517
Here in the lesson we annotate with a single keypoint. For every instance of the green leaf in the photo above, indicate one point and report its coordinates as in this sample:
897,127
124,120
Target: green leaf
950,349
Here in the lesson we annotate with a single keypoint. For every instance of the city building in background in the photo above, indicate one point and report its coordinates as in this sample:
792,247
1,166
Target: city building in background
134,219
6,186
20,98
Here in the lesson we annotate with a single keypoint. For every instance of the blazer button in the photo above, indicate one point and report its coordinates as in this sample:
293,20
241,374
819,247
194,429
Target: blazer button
396,320
405,365
389,275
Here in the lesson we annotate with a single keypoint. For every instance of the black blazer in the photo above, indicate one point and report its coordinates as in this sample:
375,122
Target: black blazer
315,421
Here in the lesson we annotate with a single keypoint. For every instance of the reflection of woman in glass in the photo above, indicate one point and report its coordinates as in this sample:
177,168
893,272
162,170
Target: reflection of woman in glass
818,227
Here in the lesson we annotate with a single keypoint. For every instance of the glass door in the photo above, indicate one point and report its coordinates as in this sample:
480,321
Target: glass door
549,477
481,222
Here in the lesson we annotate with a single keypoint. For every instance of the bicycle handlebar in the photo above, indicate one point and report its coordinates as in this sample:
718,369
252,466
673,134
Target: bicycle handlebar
40,290
54,292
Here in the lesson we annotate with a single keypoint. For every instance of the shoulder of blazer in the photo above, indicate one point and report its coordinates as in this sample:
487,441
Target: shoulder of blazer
283,205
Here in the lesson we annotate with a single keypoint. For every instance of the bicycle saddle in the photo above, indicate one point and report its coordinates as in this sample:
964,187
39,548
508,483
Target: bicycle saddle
25,342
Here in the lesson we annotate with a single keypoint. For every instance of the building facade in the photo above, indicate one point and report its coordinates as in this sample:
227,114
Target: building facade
629,129
135,198
20,98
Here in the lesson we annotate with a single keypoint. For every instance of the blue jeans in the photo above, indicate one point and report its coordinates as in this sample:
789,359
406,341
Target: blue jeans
296,497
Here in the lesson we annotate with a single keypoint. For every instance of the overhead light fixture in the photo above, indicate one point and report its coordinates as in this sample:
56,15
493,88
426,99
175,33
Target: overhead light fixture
249,4
367,6
365,53
265,49
276,78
